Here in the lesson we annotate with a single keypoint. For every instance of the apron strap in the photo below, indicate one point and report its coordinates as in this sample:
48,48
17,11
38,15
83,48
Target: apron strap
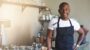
58,22
70,22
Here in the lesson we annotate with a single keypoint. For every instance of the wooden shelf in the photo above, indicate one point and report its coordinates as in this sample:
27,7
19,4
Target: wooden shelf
24,4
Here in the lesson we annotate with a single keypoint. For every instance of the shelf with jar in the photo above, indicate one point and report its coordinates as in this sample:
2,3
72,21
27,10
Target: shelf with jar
25,3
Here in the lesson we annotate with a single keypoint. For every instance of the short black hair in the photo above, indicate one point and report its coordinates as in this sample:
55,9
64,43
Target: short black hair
81,25
62,5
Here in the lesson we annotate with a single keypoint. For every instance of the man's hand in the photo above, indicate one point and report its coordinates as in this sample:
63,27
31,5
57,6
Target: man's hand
48,49
75,47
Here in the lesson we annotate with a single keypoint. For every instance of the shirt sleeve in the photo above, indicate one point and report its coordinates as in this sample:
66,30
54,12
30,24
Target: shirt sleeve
76,25
52,23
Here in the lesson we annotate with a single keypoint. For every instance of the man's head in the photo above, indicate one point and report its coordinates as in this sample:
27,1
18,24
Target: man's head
64,9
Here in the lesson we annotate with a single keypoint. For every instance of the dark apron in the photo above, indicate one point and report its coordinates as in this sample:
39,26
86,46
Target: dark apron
64,38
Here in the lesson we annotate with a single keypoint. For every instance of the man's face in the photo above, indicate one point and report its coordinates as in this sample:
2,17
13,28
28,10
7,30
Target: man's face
64,12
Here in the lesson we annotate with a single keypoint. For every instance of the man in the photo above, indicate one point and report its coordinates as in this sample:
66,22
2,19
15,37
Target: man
65,28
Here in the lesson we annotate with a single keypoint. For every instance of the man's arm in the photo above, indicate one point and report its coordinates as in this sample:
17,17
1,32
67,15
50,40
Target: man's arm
85,30
49,38
80,38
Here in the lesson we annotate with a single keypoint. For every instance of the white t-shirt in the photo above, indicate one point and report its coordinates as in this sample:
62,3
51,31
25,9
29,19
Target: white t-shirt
63,23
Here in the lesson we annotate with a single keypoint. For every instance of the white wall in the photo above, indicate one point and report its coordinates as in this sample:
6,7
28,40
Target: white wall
23,24
79,8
